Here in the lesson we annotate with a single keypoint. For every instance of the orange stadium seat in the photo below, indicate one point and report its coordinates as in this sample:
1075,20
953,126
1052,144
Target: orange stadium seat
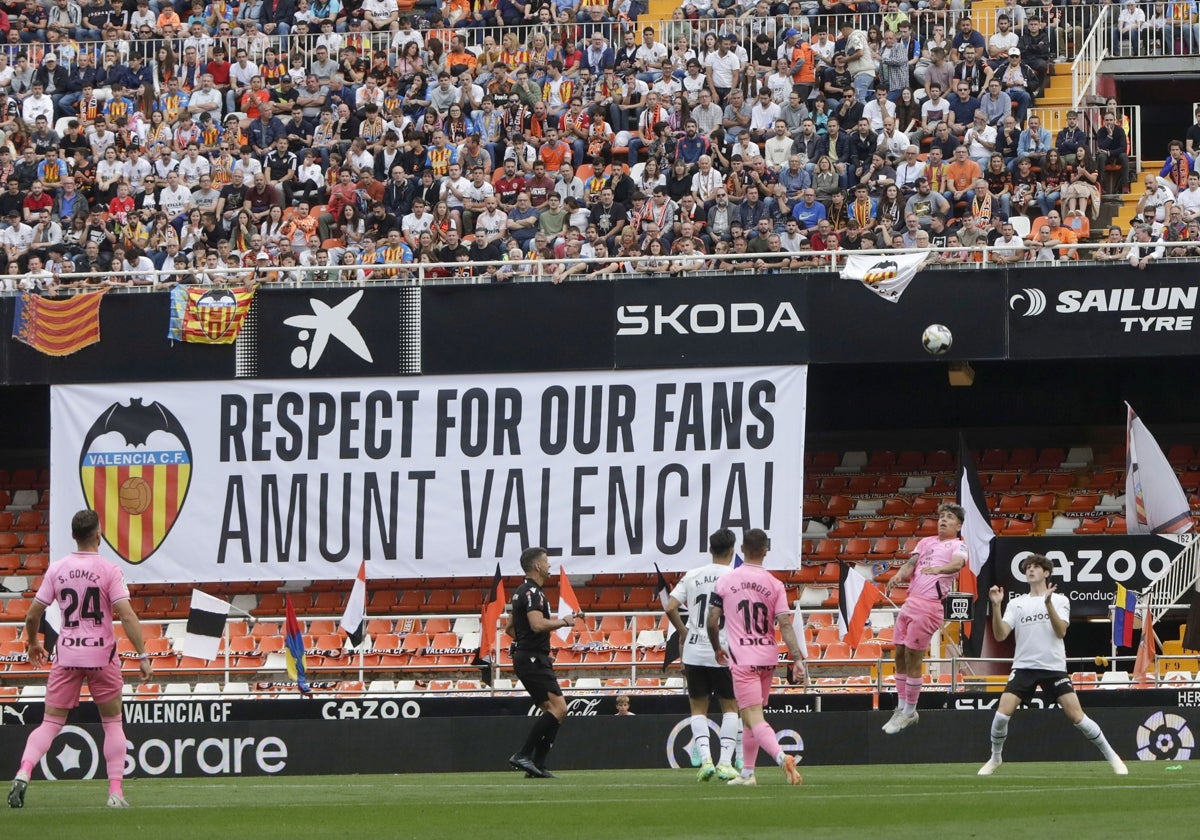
35,564
884,548
873,528
855,549
1041,503
837,650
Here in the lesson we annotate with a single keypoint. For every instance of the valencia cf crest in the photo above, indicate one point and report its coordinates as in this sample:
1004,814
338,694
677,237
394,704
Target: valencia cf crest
135,466
881,271
216,312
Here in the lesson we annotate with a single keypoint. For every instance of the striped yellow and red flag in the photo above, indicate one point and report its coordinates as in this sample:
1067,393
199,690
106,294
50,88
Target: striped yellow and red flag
58,327
208,316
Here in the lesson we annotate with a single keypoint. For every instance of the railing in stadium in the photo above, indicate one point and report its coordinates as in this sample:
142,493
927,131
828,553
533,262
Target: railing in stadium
1070,28
979,257
951,672
1086,65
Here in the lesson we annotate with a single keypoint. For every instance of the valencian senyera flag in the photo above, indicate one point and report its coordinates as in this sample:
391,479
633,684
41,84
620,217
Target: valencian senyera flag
208,316
57,327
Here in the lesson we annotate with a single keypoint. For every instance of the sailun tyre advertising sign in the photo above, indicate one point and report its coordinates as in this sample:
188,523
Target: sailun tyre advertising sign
1073,313
303,479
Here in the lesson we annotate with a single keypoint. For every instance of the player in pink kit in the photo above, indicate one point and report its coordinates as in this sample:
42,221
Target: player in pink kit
90,591
931,571
754,601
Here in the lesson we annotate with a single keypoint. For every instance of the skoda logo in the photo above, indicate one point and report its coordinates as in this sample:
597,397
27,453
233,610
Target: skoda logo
1033,301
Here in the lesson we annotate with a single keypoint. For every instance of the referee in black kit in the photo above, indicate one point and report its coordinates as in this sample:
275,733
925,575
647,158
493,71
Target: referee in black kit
530,626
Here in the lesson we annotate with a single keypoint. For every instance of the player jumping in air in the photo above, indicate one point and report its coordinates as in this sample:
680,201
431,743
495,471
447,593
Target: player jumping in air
930,572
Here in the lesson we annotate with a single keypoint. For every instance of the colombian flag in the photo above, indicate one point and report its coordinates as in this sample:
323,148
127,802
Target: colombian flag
1124,610
57,327
293,649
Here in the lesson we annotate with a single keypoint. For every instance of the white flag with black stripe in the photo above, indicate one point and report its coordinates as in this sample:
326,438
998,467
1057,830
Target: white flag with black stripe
354,619
205,626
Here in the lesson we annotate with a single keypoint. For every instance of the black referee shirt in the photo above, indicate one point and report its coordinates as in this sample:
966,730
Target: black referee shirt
529,598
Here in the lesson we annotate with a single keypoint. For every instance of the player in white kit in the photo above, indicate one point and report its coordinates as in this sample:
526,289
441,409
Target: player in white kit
705,678
1039,620
90,591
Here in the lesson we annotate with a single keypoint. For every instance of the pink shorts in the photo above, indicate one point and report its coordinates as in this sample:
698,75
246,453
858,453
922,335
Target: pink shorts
918,620
752,684
64,685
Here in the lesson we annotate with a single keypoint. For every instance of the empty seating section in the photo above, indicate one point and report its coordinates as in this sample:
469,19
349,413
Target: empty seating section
867,507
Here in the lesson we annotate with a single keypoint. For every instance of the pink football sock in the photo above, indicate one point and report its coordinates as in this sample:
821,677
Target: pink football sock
914,691
749,749
39,743
114,752
765,736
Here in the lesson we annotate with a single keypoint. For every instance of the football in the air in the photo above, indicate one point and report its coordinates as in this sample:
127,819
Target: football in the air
937,339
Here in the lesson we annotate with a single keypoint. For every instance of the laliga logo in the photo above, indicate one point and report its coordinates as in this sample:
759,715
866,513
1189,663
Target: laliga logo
1035,302
77,748
135,466
679,750
1164,737
882,271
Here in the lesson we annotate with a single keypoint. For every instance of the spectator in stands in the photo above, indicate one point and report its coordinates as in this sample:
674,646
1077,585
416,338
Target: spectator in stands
1070,137
1144,249
930,572
1040,621
1111,144
1156,201
1035,141
1114,249
1189,200
1035,53
1130,29
1177,165
1082,191
530,624
1009,248
87,652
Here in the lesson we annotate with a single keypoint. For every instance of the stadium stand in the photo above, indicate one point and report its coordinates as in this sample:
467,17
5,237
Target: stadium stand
211,147
344,128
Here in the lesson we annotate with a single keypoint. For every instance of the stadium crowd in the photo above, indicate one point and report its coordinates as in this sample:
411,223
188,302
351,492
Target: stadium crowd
275,139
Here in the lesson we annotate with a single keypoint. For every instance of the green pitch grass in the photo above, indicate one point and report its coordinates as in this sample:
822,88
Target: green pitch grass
1080,800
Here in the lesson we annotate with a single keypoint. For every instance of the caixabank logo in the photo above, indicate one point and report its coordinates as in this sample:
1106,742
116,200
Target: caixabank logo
135,466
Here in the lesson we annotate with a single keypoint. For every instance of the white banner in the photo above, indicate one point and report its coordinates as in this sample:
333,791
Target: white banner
431,476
